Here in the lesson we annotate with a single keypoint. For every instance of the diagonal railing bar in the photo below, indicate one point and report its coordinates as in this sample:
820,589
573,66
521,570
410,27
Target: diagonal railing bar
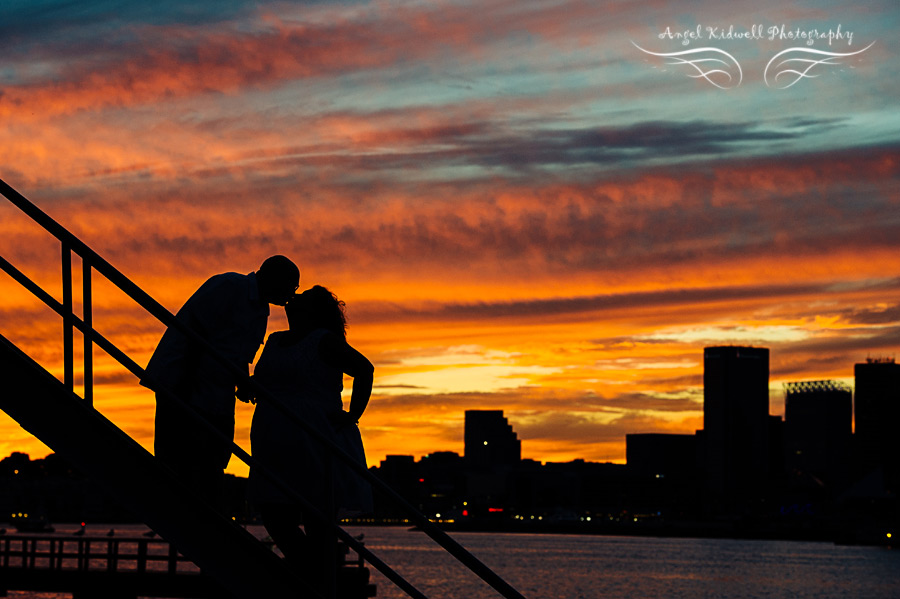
166,317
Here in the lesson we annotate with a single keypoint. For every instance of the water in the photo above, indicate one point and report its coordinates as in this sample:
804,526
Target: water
591,567
588,567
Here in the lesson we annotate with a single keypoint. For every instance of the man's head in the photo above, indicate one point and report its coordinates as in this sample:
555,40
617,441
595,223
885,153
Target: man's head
278,278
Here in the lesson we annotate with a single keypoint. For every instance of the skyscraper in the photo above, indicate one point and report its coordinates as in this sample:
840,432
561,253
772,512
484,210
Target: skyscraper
818,428
878,417
490,440
735,424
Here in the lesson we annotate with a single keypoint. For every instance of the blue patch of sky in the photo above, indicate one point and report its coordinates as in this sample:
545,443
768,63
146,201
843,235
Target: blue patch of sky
61,29
40,16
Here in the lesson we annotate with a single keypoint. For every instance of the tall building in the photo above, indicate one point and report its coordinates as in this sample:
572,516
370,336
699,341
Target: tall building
490,440
878,417
735,424
818,429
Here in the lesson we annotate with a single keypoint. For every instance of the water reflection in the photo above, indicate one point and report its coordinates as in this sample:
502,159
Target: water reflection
588,567
591,567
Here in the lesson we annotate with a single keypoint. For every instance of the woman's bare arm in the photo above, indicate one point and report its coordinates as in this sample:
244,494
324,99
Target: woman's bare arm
336,352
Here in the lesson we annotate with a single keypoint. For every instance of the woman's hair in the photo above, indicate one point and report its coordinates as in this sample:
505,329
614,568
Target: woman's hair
317,308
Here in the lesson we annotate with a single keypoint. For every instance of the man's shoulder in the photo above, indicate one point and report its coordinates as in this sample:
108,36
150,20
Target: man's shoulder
219,289
225,281
227,278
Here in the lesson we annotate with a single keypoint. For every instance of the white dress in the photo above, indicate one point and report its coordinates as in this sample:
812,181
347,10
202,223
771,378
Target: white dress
311,389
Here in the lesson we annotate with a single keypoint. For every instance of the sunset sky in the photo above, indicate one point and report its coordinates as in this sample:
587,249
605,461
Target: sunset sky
525,206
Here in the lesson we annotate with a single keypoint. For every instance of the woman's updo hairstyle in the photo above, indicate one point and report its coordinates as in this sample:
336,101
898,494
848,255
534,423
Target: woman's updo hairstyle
317,308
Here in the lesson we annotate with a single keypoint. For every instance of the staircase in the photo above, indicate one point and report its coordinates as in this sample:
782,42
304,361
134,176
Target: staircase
49,409
227,553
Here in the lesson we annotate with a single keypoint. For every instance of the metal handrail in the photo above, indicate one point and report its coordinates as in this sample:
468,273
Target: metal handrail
93,260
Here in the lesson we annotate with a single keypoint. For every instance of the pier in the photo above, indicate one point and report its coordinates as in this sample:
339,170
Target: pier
98,567
123,568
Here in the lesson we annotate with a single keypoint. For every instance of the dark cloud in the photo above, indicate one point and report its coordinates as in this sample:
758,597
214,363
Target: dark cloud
887,315
681,402
636,143
520,147
709,213
531,401
584,305
851,345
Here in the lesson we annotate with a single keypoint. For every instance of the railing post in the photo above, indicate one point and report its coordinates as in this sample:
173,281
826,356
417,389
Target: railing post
142,556
173,559
88,319
68,323
112,553
60,554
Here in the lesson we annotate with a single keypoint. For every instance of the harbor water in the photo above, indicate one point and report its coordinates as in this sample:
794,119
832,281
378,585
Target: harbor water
594,567
545,566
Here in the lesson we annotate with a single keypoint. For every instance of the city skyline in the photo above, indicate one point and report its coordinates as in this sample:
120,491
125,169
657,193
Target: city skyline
492,415
523,209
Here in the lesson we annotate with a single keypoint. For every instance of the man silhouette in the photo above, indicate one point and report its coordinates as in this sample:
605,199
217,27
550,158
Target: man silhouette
230,311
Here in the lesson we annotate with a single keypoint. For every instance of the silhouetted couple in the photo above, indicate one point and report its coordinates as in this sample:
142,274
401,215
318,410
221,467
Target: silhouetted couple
302,369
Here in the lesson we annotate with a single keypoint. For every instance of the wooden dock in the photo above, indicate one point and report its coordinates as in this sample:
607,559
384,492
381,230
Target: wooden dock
99,567
91,567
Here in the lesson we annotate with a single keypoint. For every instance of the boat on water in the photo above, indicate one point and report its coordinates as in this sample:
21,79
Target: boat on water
26,522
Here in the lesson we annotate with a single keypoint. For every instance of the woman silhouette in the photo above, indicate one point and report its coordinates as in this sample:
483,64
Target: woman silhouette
303,368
